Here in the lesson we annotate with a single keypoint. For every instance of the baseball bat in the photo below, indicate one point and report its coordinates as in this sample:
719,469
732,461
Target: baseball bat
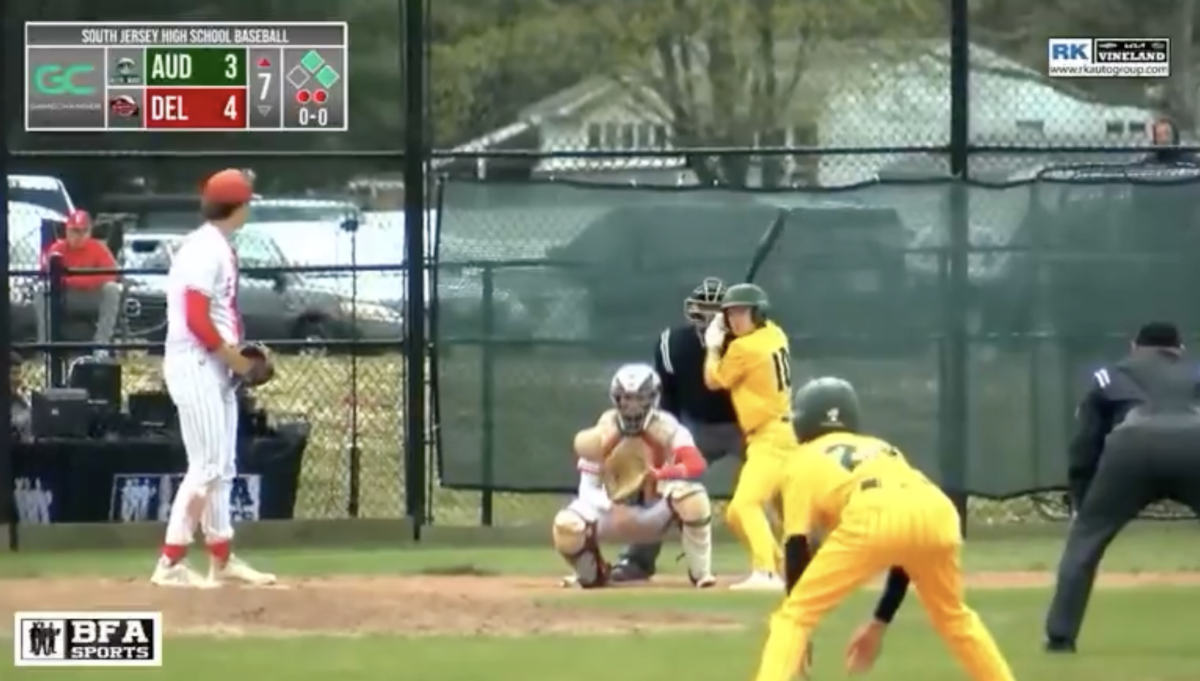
765,244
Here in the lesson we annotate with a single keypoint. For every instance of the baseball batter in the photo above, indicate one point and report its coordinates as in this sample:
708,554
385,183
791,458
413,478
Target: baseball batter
880,514
200,362
635,447
755,367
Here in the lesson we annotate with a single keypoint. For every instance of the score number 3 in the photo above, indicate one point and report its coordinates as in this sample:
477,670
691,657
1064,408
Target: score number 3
232,72
782,359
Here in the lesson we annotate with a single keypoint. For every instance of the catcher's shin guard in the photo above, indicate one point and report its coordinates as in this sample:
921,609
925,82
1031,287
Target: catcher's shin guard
575,539
691,505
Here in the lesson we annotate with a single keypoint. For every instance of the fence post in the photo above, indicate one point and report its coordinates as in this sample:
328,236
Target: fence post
487,398
56,291
415,157
955,429
7,478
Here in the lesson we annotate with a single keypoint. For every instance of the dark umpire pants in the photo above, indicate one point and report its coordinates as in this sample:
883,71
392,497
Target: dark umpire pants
1141,464
715,441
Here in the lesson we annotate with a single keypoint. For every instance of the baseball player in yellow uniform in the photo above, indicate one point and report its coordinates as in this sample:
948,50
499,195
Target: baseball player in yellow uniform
635,447
755,367
880,514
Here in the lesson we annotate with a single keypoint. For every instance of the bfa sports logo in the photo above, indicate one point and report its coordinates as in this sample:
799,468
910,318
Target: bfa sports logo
87,639
148,497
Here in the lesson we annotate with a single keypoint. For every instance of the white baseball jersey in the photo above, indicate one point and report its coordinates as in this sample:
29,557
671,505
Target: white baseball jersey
200,384
204,262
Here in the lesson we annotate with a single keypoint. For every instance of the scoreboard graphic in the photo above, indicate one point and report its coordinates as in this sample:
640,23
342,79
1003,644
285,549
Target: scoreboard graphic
92,77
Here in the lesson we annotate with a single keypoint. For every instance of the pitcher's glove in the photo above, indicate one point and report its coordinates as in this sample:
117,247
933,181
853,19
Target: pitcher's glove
263,369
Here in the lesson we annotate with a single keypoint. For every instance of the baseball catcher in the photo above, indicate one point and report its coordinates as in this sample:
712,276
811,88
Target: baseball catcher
635,447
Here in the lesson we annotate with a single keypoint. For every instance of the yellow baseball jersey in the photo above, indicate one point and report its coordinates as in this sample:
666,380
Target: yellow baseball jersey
824,476
756,370
880,512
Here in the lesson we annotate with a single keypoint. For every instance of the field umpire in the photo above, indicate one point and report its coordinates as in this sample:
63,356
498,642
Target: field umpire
1138,442
679,360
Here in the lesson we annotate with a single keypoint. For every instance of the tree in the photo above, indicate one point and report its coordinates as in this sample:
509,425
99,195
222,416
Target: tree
724,74
491,58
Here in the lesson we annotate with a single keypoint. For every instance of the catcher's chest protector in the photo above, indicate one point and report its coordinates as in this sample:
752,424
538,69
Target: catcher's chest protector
628,460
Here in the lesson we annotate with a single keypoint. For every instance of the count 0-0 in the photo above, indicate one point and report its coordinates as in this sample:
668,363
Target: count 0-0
321,117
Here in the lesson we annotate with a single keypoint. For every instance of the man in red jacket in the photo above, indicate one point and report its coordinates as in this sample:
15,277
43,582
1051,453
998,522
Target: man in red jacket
86,294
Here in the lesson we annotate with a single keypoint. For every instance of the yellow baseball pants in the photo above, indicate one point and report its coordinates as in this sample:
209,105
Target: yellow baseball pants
757,487
917,529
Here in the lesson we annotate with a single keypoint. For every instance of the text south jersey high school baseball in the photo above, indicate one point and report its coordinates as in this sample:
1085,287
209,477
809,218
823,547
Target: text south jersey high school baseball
201,363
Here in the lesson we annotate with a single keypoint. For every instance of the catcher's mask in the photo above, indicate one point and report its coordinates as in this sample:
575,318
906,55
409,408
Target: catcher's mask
704,302
635,392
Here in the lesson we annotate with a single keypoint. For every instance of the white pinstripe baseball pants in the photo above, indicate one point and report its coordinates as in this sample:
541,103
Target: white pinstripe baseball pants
204,396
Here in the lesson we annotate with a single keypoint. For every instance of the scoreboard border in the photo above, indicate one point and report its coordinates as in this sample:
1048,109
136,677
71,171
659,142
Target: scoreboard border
345,47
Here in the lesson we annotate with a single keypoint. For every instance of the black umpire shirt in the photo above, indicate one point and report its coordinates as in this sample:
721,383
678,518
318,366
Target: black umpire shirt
1150,380
679,360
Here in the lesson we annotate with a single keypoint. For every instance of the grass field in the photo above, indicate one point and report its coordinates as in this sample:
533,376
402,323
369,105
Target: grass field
457,614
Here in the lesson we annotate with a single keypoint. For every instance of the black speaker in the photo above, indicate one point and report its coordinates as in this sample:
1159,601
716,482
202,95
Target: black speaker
60,413
100,378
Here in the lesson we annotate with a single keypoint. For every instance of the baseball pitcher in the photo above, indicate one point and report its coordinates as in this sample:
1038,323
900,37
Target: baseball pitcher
202,362
635,447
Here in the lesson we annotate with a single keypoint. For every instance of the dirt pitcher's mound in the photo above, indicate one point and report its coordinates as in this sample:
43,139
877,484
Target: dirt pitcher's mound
350,606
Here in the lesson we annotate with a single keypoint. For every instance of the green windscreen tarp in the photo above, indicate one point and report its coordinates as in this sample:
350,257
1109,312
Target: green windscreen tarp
543,289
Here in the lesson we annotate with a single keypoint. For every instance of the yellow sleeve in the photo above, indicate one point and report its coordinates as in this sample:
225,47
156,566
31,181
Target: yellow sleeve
723,373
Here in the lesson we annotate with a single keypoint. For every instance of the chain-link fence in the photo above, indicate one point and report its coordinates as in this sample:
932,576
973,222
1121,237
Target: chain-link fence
1065,261
321,282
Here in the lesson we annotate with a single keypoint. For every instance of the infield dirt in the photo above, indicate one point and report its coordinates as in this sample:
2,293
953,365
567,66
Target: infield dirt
417,605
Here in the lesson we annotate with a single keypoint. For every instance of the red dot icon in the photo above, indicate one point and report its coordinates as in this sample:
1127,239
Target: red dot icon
302,96
319,96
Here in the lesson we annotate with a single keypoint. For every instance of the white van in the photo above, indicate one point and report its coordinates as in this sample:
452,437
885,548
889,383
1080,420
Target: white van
41,190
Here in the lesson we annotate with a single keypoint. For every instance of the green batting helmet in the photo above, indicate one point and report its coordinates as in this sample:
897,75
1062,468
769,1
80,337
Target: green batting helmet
748,295
825,405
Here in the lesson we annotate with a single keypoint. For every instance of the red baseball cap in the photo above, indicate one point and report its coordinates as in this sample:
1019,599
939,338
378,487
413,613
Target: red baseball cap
79,220
228,186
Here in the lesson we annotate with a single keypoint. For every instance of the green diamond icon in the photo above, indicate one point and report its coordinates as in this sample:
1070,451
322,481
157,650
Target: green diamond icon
327,77
312,61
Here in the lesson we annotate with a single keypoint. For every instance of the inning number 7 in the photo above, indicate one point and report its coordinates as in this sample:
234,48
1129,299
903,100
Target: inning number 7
266,84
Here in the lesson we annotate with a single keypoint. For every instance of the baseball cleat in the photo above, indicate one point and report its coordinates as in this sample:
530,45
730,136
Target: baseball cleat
1060,645
629,571
237,570
760,581
704,582
179,576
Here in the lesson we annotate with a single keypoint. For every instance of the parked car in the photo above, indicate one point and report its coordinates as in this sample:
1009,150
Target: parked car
24,255
275,304
43,191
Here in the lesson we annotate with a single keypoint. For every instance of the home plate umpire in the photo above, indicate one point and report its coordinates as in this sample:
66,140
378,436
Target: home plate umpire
1138,442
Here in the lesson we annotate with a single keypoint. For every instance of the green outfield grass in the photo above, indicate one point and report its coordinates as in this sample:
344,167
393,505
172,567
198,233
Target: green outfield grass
1142,633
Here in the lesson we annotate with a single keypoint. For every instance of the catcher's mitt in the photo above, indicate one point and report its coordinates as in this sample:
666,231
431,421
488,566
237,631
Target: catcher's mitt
263,369
626,469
